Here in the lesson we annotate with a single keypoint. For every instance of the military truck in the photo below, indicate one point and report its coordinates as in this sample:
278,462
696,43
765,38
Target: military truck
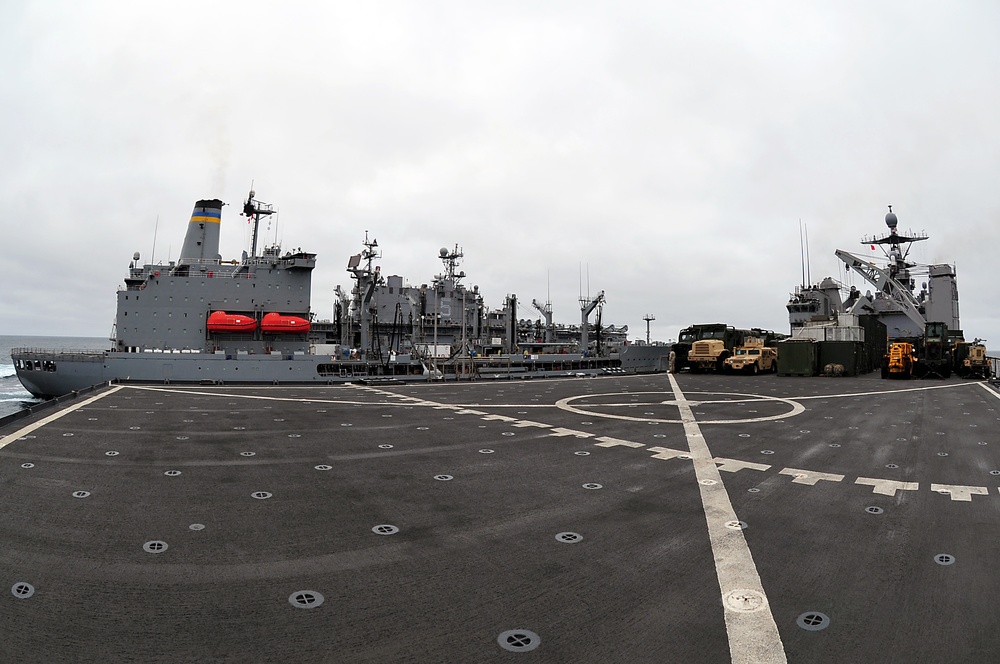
752,357
705,347
934,356
703,332
969,359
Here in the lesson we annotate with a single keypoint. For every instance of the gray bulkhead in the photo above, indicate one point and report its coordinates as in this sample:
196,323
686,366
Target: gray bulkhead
166,307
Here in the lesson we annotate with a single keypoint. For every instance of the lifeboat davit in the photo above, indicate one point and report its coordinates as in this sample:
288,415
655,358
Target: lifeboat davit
275,322
220,321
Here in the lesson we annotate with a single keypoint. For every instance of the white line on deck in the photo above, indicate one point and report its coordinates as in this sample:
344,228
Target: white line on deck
753,634
10,438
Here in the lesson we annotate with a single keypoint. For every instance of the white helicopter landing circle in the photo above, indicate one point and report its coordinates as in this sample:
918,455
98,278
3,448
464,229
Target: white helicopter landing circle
592,410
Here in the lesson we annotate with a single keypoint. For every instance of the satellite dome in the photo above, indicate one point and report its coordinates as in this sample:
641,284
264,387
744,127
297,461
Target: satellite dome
890,219
443,252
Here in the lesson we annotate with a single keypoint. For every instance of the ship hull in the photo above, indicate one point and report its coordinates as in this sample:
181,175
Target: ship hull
53,374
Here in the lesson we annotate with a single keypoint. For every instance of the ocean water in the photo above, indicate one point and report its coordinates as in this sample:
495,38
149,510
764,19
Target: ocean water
13,396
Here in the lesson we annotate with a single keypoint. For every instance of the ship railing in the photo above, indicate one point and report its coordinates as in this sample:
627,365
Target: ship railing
213,269
29,353
994,367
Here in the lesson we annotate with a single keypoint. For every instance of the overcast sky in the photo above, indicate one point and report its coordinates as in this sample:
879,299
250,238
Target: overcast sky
665,151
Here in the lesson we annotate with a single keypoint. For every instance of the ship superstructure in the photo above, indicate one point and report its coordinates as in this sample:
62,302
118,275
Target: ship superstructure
169,308
201,319
895,301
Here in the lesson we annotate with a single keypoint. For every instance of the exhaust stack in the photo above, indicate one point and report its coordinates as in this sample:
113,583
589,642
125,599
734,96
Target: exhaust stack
201,243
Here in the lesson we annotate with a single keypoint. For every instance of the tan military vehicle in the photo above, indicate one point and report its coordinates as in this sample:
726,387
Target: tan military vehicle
752,357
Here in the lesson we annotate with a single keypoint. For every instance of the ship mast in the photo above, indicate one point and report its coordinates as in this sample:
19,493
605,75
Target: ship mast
894,281
253,211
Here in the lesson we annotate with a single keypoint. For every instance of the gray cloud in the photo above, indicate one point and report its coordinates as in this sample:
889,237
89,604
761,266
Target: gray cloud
670,149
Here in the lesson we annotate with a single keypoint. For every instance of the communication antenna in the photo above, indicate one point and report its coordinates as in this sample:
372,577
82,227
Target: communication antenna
808,270
253,210
802,254
152,254
647,318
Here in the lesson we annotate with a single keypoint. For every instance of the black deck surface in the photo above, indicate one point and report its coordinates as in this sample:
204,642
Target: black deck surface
504,536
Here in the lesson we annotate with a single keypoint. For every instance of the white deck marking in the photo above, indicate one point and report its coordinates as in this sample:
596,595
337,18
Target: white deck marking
990,390
667,453
887,487
528,423
809,477
959,492
500,418
559,431
607,441
753,634
10,438
566,404
882,392
734,465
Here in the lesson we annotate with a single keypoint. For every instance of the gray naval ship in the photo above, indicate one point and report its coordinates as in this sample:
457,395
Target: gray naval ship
896,302
208,321
655,517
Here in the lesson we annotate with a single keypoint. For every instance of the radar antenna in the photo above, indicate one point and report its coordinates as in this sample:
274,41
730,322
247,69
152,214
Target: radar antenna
451,260
253,210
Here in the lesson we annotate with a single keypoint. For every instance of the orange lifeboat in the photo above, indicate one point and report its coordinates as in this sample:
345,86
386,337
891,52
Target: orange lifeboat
275,322
220,321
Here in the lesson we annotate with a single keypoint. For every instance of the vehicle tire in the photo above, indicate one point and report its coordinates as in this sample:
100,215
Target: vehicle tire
754,369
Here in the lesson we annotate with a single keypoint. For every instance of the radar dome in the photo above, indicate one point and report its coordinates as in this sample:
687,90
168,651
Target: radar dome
443,252
890,219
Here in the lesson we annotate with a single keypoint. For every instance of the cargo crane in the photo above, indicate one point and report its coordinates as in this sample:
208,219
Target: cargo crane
546,311
586,307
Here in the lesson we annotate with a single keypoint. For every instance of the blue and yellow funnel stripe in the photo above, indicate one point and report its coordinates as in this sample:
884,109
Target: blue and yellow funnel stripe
209,212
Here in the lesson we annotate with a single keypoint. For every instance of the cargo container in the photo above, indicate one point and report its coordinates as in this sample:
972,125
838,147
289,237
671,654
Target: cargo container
797,357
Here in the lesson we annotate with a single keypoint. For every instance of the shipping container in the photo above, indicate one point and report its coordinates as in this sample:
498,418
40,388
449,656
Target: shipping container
875,343
848,354
797,357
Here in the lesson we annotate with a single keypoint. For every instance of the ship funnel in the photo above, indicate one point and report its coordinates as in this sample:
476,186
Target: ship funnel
202,240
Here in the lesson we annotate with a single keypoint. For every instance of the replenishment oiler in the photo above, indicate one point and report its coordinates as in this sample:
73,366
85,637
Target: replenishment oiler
204,320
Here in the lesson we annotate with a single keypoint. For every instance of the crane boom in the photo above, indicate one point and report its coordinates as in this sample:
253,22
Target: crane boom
888,286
